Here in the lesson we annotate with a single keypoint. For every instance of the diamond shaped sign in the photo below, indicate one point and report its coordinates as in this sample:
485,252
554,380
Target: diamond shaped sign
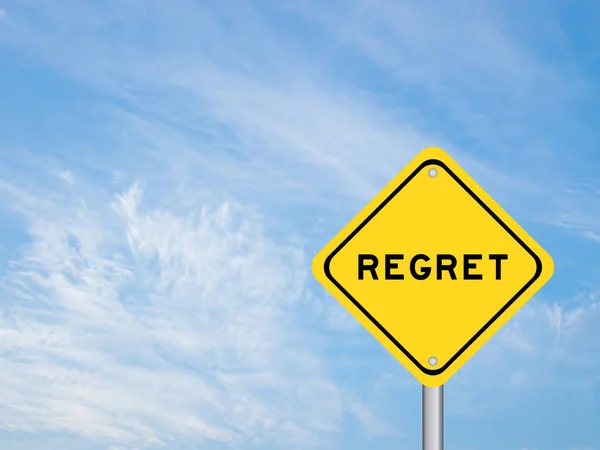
432,267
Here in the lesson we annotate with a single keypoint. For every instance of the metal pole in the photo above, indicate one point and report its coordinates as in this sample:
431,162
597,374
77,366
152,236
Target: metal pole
433,418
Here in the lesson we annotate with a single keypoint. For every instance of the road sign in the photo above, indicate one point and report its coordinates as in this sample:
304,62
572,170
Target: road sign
432,267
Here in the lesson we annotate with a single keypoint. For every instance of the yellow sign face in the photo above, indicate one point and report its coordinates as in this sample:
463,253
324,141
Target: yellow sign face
432,267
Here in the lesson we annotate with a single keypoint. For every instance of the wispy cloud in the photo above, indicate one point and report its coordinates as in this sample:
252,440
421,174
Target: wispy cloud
127,323
274,110
545,349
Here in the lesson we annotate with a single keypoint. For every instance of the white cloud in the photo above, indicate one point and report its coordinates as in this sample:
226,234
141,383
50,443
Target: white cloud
545,348
263,110
591,235
456,53
146,327
576,211
369,421
67,176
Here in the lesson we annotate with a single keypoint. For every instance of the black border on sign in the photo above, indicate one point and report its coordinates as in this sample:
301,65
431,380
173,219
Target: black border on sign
537,274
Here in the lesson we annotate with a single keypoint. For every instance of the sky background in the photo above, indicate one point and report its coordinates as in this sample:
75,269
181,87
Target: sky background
168,169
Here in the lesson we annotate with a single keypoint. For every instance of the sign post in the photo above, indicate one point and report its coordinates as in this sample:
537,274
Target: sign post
433,267
433,418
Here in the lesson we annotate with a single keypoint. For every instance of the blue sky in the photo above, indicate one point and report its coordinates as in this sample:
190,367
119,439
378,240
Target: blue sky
169,169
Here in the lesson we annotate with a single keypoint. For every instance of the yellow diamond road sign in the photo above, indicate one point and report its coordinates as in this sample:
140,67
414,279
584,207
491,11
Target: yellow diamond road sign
432,267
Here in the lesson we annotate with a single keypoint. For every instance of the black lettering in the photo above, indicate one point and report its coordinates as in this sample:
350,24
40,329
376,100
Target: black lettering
498,259
468,265
362,265
389,265
425,271
446,266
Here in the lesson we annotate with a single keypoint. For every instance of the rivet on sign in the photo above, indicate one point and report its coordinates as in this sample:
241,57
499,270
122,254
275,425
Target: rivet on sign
432,172
433,360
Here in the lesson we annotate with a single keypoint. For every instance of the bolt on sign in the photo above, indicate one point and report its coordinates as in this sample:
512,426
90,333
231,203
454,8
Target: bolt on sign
432,267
